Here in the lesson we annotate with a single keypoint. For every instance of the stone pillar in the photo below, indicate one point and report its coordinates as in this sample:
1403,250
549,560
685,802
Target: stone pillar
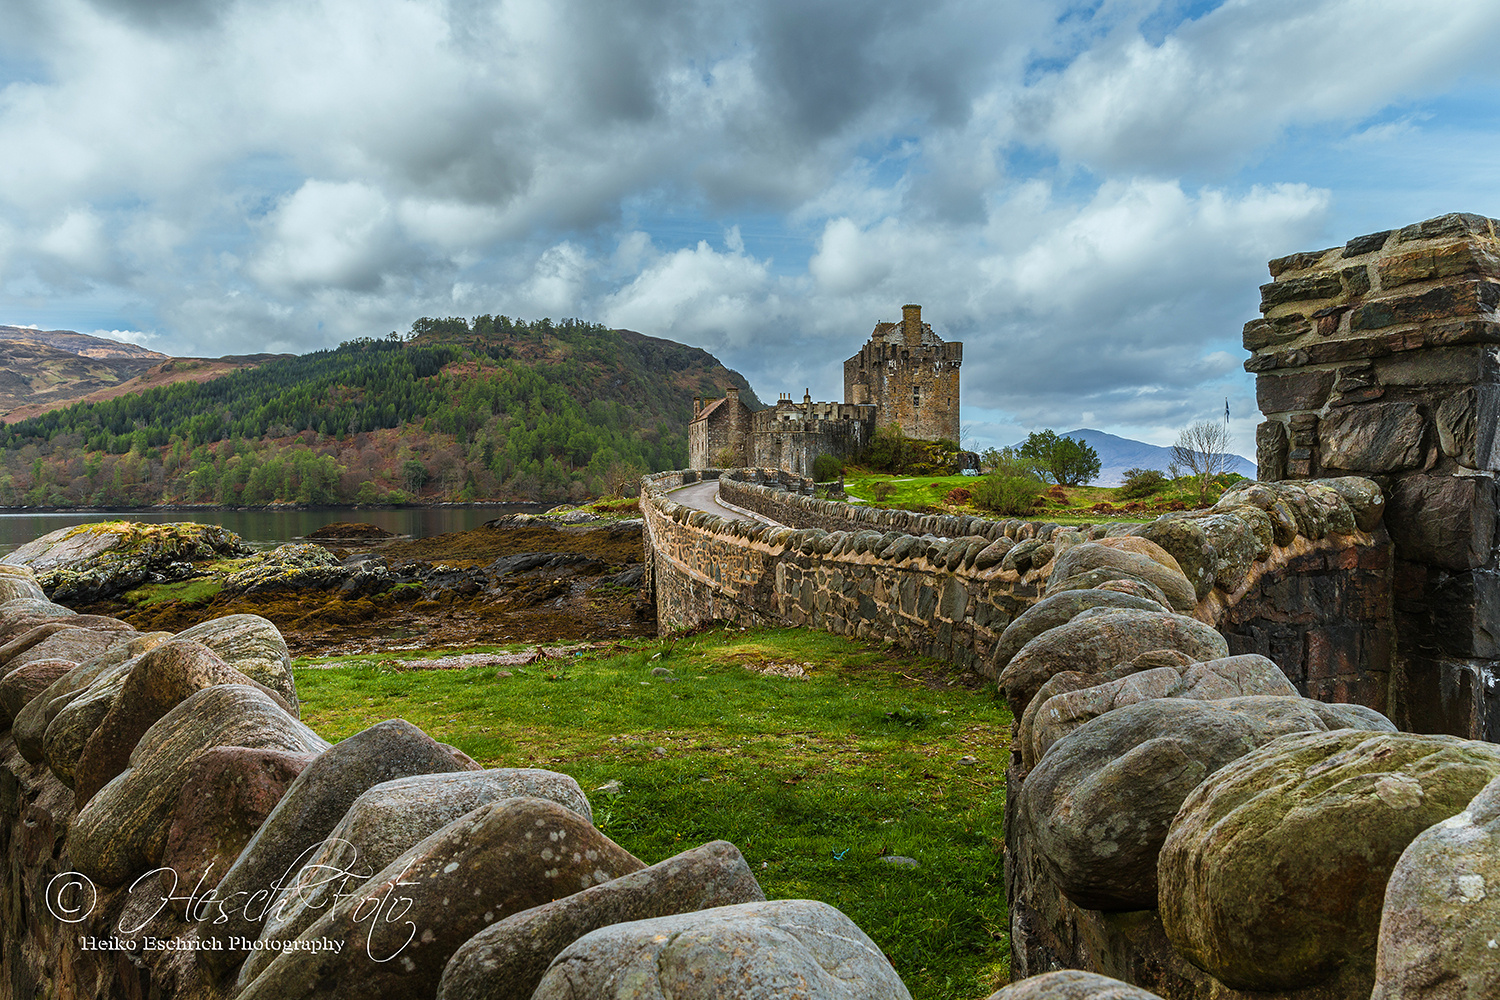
1381,358
911,325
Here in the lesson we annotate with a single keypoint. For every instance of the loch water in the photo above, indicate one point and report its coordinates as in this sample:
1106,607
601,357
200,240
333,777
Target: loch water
266,529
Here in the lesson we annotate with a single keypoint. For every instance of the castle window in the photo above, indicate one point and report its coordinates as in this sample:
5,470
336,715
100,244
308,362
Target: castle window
916,396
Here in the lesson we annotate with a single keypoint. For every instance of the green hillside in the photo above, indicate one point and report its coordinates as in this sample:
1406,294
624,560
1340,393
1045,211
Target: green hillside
459,410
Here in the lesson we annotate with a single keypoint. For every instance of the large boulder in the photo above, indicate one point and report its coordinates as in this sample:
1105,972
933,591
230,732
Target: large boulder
68,639
24,684
309,810
1059,609
229,792
88,562
385,822
1098,639
31,723
1098,805
507,959
1071,984
161,678
753,951
401,927
1274,872
19,614
122,831
1157,568
1073,680
254,647
17,584
1232,677
1441,917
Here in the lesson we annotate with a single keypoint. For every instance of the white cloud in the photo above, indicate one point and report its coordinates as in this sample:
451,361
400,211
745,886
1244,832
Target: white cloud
329,235
1219,88
1060,186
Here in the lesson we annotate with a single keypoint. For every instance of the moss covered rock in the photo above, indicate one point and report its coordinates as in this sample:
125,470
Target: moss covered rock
1098,805
1442,910
1274,872
89,562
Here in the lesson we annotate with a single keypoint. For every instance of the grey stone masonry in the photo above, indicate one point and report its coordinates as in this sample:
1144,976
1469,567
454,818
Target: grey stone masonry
1381,358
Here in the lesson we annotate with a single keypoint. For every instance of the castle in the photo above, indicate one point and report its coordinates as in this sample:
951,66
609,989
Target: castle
904,375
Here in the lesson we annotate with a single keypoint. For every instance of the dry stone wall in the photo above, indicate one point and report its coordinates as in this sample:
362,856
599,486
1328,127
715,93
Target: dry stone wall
1378,358
170,829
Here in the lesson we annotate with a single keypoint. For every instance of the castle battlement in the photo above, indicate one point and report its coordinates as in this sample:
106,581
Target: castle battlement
905,374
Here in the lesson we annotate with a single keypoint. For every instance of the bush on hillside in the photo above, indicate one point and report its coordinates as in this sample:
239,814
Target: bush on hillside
1010,495
1141,483
827,468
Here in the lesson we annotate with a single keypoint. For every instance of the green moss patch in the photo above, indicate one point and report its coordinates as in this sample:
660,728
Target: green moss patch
194,591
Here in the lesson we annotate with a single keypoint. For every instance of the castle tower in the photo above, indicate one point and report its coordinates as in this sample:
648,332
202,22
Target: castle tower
911,375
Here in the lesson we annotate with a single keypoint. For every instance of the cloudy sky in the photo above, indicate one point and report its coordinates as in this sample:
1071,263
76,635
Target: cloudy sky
1084,193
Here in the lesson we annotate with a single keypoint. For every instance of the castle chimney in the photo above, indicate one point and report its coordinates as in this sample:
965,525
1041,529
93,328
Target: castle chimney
733,393
807,399
911,325
697,405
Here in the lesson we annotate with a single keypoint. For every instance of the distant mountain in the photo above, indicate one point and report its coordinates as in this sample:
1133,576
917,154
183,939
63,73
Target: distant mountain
1116,454
82,344
45,370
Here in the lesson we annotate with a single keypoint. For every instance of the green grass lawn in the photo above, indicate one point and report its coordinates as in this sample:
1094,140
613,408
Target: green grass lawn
815,779
1082,504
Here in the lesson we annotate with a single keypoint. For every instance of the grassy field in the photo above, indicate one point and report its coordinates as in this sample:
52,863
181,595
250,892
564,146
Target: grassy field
1062,505
869,753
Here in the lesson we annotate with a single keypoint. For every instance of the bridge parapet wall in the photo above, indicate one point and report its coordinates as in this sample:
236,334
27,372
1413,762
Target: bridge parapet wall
1311,591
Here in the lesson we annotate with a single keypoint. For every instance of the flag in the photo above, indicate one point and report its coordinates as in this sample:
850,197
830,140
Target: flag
1226,409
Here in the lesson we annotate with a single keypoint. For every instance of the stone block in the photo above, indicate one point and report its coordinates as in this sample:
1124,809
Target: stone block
1470,331
1356,383
1465,365
1466,426
1453,224
1313,287
1446,521
1260,333
1456,696
1456,613
1381,437
1297,261
1356,281
1366,244
1298,391
1462,298
1270,451
1438,262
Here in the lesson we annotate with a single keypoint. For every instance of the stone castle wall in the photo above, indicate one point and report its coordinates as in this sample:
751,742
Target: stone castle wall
911,375
724,431
791,436
1378,358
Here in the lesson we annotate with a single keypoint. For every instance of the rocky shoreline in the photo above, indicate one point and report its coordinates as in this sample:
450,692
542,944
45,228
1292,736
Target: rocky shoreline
517,579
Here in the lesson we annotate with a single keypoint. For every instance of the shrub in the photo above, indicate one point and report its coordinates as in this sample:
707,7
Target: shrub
1141,483
1013,495
827,468
958,495
882,491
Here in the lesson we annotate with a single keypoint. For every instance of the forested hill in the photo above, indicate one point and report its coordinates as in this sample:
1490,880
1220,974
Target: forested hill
458,410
